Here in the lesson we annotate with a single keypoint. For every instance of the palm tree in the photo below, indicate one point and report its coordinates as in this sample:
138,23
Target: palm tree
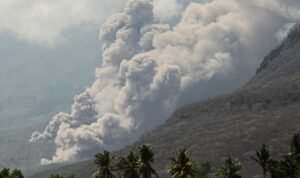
231,169
289,166
295,147
203,170
181,166
262,158
105,163
59,176
275,169
16,174
146,158
5,173
128,167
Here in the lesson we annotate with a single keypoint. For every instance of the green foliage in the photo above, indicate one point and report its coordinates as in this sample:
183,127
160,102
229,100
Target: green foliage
230,169
146,159
139,165
105,164
59,176
204,170
128,167
7,173
295,148
263,158
287,167
135,165
16,174
275,170
182,166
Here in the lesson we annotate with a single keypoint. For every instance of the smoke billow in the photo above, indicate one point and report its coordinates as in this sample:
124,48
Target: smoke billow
150,68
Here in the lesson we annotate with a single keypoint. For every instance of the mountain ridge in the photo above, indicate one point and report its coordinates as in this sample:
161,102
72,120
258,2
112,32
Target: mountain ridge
265,110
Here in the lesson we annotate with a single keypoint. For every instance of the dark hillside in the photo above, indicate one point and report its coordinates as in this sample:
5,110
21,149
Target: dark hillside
265,110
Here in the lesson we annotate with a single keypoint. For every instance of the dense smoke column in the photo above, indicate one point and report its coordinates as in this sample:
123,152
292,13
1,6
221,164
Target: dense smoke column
150,68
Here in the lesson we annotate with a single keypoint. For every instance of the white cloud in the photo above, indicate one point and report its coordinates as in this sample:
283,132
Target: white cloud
43,21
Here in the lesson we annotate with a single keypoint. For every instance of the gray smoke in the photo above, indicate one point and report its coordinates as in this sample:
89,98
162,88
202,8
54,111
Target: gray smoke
150,68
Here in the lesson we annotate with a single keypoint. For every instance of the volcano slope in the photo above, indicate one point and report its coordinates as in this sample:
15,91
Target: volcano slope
265,110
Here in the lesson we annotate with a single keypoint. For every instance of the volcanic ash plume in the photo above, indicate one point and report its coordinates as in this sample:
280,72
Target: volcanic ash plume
150,68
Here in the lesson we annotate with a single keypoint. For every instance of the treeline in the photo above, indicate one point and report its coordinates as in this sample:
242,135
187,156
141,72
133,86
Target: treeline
138,164
7,173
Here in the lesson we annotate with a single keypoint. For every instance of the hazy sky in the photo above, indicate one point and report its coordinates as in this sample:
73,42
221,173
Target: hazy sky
44,21
46,58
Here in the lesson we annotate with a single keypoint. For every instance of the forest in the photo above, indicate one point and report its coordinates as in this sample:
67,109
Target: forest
139,164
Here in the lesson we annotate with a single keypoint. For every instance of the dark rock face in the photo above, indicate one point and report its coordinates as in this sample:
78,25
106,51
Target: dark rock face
271,61
265,110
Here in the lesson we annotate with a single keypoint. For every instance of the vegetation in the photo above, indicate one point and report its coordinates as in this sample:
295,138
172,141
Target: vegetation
146,159
58,176
138,164
128,167
181,166
134,165
204,170
263,159
7,173
231,169
105,164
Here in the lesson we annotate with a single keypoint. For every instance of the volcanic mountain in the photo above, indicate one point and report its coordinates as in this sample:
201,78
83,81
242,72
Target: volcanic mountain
265,110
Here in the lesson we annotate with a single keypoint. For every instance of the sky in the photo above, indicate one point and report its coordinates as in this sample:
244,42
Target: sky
44,21
154,56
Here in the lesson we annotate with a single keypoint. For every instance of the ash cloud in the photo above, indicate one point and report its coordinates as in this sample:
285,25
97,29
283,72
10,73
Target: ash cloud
150,68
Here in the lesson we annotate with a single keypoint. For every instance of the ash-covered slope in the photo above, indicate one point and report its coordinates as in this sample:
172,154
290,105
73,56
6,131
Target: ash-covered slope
265,110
